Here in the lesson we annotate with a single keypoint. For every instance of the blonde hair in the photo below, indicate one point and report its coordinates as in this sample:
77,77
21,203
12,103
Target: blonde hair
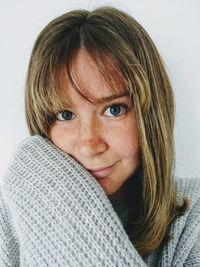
110,34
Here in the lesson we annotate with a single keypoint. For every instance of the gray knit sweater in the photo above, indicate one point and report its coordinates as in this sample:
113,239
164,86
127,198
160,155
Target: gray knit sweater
54,213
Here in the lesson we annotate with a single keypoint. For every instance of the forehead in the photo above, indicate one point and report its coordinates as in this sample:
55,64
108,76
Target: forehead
93,79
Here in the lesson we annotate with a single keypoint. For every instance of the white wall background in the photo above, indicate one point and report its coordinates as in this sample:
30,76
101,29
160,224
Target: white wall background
172,24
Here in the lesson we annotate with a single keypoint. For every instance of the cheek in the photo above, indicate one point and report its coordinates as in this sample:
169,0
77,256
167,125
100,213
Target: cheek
124,139
60,139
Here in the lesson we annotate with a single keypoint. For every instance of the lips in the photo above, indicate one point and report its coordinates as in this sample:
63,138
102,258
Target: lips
101,172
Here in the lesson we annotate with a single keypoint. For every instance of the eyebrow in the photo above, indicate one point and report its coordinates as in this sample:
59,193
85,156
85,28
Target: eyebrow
105,99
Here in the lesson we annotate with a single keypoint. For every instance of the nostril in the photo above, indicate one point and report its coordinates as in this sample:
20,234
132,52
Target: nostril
101,147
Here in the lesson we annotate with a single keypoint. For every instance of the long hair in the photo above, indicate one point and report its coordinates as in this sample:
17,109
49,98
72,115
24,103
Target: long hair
109,34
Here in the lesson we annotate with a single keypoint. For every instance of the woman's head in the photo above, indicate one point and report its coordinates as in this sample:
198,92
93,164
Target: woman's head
73,57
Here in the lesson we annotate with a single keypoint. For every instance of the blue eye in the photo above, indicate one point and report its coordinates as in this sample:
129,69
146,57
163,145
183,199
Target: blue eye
65,116
116,110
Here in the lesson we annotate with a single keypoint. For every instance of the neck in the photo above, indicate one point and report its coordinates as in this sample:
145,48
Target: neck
128,188
126,203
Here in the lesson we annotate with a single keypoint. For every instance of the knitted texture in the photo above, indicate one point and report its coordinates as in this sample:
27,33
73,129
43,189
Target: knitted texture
183,248
54,213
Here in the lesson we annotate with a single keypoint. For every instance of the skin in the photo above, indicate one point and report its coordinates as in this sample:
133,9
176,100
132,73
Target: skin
102,137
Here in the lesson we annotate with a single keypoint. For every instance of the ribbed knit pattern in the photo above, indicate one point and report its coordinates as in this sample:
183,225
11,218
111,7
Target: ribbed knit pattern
54,213
60,213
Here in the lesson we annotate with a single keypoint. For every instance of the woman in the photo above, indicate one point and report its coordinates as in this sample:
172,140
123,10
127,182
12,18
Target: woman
95,184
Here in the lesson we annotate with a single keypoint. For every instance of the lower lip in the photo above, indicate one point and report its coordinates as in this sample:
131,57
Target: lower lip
102,173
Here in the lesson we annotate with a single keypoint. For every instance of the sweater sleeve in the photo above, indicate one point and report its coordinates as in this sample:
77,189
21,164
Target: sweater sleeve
9,250
61,214
194,256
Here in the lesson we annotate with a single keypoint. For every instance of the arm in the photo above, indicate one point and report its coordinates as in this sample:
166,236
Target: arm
194,256
9,250
186,230
62,215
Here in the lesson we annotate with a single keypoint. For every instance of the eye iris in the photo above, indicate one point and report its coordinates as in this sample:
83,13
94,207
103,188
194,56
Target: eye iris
67,115
115,110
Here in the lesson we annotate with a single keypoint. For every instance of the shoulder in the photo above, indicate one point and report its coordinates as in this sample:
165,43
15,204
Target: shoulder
190,188
186,229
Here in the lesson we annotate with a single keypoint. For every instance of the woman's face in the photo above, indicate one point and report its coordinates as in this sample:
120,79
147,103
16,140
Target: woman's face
101,136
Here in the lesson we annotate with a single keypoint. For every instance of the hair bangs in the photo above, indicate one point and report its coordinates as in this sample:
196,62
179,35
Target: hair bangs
109,72
55,99
116,60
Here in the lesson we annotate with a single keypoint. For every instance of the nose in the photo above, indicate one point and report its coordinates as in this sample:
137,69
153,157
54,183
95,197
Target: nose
91,140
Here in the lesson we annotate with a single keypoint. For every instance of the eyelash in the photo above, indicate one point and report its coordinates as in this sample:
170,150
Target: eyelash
123,106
